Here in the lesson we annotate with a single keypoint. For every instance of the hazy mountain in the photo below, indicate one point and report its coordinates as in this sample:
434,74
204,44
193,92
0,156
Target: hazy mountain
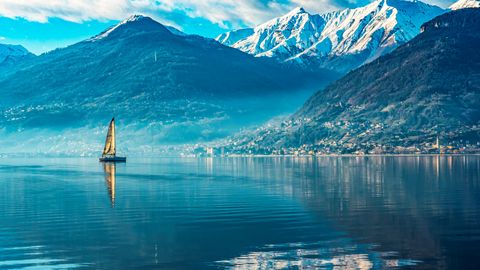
181,88
11,54
426,88
465,4
340,40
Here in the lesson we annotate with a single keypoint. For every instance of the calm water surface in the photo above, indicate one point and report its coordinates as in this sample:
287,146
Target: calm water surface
245,213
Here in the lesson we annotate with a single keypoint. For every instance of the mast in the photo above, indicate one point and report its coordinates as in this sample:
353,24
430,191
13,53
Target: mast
110,147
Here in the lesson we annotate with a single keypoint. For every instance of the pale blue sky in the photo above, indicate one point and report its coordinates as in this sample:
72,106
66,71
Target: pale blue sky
45,25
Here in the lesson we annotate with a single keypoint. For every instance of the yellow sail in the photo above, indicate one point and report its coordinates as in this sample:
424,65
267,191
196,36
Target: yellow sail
110,141
109,169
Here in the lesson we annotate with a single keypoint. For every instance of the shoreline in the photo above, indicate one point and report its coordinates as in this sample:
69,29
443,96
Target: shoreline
365,155
139,157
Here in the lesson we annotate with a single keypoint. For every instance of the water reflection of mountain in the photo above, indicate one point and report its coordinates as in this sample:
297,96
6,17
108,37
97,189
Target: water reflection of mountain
110,171
187,213
424,208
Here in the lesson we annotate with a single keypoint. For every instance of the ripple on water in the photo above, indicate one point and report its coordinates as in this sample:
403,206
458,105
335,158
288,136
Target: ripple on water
34,257
333,213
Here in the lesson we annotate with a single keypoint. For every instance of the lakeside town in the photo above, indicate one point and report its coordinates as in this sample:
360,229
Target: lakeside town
350,143
454,148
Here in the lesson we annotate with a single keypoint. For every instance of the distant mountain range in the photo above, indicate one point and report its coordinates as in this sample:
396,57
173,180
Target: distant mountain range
176,88
340,40
426,89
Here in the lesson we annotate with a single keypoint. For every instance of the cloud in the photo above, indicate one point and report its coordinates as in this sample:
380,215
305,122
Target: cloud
233,12
78,10
221,12
2,38
225,13
70,10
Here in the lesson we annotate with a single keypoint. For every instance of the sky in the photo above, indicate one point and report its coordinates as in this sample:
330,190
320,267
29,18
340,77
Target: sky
41,25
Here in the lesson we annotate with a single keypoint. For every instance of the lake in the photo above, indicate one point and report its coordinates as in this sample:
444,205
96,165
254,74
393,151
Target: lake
241,213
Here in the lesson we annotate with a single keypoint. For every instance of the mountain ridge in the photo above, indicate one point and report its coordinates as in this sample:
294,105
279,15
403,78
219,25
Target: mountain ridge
465,4
402,102
11,54
162,88
340,40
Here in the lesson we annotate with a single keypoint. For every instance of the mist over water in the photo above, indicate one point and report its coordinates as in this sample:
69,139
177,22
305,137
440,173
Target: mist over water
140,135
326,212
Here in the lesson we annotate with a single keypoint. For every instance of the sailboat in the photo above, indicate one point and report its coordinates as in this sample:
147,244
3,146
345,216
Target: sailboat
109,151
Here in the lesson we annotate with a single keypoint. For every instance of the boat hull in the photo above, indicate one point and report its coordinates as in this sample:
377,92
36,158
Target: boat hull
113,159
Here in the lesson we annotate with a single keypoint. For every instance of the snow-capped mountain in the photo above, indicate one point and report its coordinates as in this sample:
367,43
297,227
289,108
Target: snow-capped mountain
138,24
281,37
12,53
430,87
465,4
340,40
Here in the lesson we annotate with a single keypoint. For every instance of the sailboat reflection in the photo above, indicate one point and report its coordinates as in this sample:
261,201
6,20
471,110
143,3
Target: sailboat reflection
109,170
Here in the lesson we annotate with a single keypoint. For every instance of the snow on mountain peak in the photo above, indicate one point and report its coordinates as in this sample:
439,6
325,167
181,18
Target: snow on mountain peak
465,4
132,19
297,10
135,17
356,35
134,23
288,34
